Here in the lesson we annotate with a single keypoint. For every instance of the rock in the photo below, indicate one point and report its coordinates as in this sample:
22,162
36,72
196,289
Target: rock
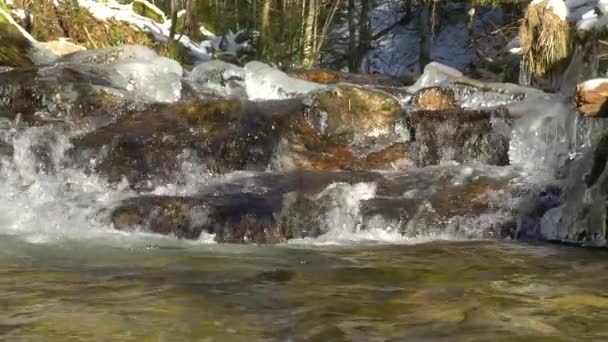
351,114
60,93
237,218
434,98
275,207
148,10
151,146
591,97
335,77
62,47
463,136
18,48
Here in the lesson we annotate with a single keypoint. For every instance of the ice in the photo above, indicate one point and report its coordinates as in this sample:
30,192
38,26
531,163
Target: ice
158,79
435,74
264,82
225,78
151,78
122,53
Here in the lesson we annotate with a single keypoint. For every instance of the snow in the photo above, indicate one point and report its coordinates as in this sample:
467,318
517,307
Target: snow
114,10
559,8
264,82
593,83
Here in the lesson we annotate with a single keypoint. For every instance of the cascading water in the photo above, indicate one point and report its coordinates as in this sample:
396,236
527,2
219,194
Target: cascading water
51,192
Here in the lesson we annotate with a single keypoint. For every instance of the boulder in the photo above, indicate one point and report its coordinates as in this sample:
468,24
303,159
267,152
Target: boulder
235,218
350,114
435,98
591,97
150,145
276,207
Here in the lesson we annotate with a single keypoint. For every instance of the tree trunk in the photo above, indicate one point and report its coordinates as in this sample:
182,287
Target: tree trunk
424,30
309,34
364,32
265,40
352,38
173,29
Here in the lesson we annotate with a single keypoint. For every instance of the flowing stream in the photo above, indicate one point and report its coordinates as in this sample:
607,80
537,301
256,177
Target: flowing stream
140,204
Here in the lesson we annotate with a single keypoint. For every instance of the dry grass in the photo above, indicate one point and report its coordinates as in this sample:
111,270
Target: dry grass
546,41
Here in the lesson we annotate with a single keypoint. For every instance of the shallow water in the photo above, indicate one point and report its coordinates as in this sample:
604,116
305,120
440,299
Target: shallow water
437,291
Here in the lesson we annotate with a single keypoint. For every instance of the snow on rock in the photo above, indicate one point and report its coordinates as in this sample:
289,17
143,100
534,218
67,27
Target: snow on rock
435,74
593,84
560,9
111,9
264,82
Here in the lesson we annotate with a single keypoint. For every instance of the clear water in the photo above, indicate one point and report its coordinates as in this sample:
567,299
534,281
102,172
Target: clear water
438,291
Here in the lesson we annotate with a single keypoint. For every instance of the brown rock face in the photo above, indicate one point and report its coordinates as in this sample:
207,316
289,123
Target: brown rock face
435,98
350,113
335,77
592,101
222,134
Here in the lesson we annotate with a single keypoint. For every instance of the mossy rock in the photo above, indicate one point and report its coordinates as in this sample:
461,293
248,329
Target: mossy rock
178,52
148,10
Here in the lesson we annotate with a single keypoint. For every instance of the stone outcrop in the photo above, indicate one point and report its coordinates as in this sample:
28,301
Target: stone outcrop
434,98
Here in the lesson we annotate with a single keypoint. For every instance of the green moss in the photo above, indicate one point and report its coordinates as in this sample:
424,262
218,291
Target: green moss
176,51
145,9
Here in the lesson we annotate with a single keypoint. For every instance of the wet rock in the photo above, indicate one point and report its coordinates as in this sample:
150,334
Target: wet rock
221,135
58,94
335,77
458,201
348,114
435,98
238,218
591,97
463,136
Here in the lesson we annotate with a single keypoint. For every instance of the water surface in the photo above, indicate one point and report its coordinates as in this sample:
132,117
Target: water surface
437,291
